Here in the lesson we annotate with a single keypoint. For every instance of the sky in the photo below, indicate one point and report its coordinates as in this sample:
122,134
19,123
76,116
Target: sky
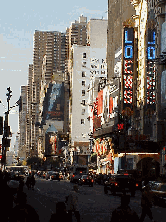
18,22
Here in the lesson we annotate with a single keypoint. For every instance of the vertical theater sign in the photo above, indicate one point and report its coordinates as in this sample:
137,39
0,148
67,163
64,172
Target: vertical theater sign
128,56
151,69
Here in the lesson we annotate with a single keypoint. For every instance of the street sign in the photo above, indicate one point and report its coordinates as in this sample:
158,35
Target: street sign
6,142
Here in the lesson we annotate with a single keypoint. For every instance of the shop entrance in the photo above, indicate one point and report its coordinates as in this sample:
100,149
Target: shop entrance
150,168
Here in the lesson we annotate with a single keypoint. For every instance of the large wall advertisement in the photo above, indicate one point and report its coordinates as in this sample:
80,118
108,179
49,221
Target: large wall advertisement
54,102
128,50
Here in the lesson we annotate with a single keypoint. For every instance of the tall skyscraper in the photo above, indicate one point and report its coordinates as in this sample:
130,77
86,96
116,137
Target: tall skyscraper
51,45
23,123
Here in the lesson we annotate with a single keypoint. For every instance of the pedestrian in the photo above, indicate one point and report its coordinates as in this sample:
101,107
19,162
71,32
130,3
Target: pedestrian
72,203
22,211
33,181
124,213
146,204
61,213
6,203
28,182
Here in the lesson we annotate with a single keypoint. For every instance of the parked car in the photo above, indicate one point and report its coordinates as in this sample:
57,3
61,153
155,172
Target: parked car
158,191
86,180
150,184
55,176
120,183
48,174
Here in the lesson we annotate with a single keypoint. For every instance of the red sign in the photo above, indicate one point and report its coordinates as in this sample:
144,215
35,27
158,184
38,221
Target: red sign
100,102
111,105
0,157
120,126
96,122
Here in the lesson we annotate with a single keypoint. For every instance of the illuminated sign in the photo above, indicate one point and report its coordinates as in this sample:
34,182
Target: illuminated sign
100,102
120,126
96,123
128,66
111,105
150,78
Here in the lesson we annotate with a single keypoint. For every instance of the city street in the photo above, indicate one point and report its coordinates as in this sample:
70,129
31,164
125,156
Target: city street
94,205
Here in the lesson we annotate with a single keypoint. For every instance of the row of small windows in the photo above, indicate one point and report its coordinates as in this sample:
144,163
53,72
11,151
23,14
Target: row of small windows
83,92
82,121
97,72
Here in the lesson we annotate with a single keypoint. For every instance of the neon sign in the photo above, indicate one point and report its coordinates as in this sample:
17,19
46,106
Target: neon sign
150,78
128,65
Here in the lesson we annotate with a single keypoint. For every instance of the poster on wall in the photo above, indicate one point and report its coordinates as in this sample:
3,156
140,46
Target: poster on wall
54,102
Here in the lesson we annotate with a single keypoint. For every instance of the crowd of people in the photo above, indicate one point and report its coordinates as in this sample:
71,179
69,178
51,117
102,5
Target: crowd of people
14,205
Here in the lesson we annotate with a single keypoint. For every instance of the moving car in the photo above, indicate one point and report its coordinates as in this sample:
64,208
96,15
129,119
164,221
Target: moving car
77,171
55,176
120,183
75,178
86,180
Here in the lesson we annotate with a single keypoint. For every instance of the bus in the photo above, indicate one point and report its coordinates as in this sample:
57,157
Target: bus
76,170
17,169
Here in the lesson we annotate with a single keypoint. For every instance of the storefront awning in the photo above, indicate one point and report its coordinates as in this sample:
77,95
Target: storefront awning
103,131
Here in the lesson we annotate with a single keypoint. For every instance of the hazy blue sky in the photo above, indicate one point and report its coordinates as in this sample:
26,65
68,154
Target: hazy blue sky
18,21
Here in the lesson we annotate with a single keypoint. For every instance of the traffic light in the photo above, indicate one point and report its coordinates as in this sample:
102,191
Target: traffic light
120,126
1,125
120,118
7,131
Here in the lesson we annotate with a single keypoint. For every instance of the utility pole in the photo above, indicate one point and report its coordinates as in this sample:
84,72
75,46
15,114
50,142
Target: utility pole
5,140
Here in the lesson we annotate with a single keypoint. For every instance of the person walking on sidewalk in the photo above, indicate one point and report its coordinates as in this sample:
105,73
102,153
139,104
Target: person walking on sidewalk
61,214
146,204
22,211
124,213
72,203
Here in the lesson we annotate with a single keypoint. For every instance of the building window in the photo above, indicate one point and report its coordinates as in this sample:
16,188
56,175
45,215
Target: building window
84,64
83,102
83,92
83,111
84,55
83,74
83,83
82,121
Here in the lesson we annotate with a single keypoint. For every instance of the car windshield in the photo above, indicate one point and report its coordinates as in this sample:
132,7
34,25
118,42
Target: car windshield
81,170
154,186
162,187
85,176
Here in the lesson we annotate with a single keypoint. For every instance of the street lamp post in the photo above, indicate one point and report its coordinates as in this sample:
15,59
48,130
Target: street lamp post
5,140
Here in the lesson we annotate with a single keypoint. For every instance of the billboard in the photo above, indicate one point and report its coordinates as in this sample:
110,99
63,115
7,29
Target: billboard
53,107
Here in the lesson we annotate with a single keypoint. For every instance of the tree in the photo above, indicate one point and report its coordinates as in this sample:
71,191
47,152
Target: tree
34,161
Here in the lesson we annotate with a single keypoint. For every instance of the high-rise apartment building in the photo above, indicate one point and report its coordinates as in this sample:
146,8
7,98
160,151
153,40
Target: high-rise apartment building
118,12
88,63
51,45
75,34
23,152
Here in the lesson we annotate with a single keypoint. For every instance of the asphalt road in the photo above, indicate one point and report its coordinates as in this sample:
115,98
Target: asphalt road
94,205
